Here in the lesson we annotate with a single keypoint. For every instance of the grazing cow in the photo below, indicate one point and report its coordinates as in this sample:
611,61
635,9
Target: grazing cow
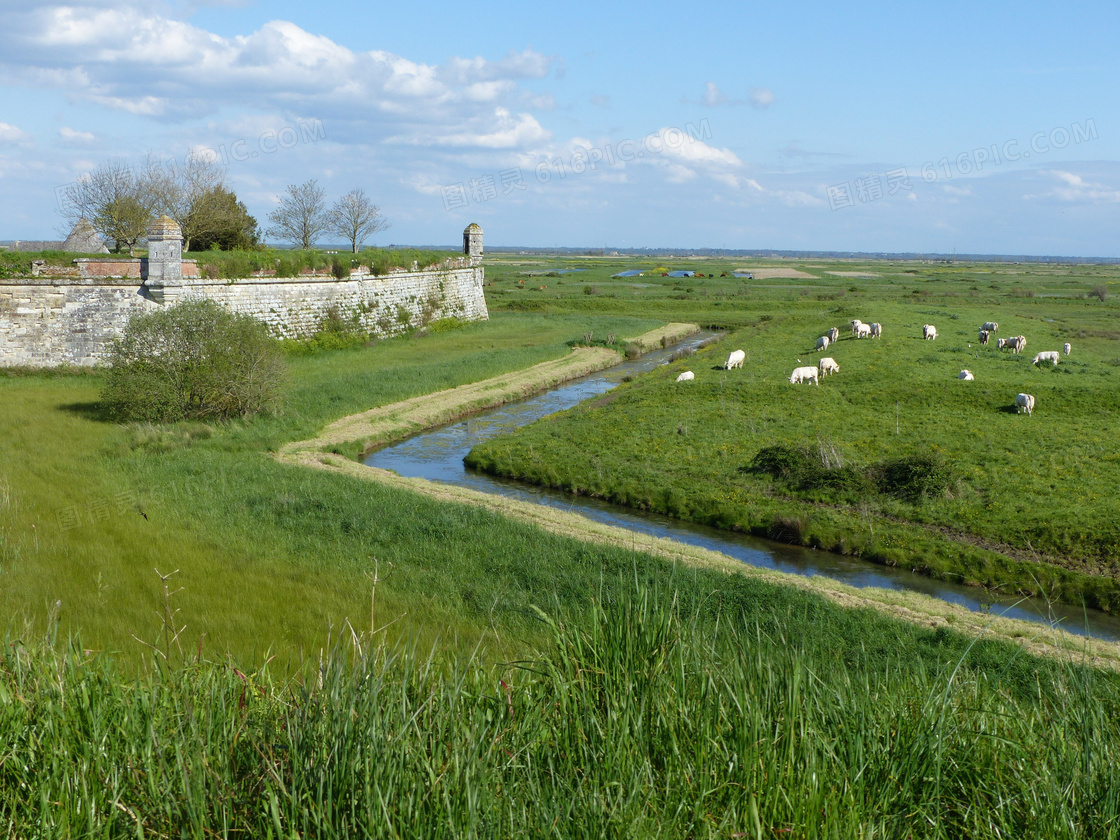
1005,343
687,376
984,336
966,375
828,365
804,374
929,332
736,359
876,330
990,326
1024,402
822,344
863,331
1046,356
855,325
1066,348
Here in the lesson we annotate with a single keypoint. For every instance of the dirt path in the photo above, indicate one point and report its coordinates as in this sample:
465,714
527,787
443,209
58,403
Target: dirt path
393,422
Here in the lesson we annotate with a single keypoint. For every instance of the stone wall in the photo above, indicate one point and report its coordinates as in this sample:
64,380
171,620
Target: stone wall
131,267
53,321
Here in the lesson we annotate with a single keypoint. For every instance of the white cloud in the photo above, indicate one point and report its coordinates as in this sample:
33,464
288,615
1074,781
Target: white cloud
503,131
677,174
1075,189
760,98
74,136
713,96
10,135
126,58
679,145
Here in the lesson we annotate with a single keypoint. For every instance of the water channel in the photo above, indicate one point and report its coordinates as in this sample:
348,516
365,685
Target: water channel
438,453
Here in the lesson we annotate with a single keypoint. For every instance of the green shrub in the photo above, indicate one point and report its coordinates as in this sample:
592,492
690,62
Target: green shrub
914,477
193,360
787,463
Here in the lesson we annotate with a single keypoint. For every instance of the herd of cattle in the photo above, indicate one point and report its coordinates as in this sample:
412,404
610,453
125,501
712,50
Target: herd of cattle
827,365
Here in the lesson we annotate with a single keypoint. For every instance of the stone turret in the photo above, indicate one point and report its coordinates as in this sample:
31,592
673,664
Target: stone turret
472,242
165,257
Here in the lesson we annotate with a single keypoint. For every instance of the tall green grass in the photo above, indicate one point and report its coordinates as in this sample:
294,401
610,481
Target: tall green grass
658,714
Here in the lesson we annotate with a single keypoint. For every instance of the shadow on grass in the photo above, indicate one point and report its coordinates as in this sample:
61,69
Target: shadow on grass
95,410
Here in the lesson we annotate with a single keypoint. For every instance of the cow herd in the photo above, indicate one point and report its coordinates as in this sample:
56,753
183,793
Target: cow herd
827,365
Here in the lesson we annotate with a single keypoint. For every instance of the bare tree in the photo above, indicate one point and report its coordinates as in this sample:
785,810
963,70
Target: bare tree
179,191
301,217
355,218
112,198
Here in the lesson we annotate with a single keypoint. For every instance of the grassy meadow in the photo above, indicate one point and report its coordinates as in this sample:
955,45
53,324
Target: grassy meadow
497,680
1024,504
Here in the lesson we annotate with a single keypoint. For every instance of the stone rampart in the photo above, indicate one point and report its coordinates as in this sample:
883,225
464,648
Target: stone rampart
53,321
49,321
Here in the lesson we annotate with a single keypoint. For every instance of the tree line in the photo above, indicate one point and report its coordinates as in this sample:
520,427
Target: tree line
120,201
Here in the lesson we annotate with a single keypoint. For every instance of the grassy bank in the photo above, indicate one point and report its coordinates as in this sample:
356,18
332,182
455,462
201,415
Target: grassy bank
1024,504
690,708
269,556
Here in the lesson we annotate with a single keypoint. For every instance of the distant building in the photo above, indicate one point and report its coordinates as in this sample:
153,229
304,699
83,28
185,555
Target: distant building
83,239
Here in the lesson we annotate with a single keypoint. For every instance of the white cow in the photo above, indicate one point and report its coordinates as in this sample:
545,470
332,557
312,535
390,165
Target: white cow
876,330
736,359
984,334
929,332
1046,356
990,326
1066,348
822,343
833,334
863,331
804,374
1020,343
686,376
828,365
966,375
855,325
1024,401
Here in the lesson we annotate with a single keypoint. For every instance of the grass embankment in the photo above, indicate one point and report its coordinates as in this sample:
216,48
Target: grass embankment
1028,502
389,423
269,556
691,707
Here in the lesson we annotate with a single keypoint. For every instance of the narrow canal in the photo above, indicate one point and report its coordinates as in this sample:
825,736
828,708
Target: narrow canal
437,455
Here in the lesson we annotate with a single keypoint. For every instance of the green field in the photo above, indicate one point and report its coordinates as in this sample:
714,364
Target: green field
500,680
1027,503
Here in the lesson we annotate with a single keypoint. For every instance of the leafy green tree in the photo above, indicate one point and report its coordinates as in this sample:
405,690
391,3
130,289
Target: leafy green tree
193,360
112,197
181,190
220,222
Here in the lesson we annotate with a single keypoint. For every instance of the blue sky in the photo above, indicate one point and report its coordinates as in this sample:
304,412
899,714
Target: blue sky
975,128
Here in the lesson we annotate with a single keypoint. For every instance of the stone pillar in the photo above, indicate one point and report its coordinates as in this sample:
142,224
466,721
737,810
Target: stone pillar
165,257
472,242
